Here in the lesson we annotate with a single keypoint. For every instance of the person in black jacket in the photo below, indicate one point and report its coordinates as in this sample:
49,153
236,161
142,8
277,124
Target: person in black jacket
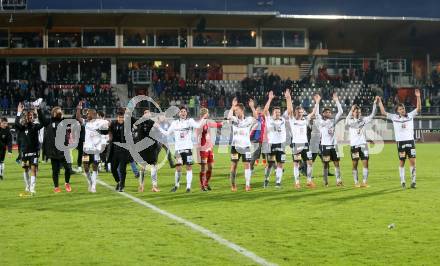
120,156
56,156
5,143
80,149
30,145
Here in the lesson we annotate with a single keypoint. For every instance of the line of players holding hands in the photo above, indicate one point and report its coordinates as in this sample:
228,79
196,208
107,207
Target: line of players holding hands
100,133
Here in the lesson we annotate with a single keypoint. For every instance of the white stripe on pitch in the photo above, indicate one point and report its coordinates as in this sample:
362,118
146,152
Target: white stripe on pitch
195,227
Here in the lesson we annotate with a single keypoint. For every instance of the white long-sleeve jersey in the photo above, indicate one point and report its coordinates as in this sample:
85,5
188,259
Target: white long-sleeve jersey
357,127
327,126
183,133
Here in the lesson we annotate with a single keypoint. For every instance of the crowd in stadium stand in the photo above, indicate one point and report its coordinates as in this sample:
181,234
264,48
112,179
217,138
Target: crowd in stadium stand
94,95
203,93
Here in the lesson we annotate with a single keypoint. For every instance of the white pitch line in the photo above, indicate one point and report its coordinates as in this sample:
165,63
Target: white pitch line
195,227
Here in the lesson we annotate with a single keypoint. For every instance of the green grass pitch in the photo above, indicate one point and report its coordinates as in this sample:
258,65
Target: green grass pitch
337,226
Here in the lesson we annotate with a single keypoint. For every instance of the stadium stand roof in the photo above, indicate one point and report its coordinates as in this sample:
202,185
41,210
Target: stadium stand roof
381,9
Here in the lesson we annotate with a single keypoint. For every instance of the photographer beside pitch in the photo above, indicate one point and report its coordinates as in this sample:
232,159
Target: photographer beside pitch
403,124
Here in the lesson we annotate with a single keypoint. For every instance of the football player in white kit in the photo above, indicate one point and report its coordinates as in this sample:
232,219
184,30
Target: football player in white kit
93,143
241,143
358,141
403,123
183,138
276,136
327,124
300,145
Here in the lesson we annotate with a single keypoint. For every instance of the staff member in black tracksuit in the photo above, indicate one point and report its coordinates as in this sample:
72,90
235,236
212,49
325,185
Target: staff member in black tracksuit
56,156
29,146
5,144
120,156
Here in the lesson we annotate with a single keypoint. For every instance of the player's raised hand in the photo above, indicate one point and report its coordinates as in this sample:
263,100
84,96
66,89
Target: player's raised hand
80,105
317,98
335,97
271,95
234,101
417,92
287,94
20,108
377,99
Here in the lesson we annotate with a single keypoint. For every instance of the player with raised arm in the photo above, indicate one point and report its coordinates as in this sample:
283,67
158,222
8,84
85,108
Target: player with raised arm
183,134
205,149
358,141
5,144
276,134
300,145
93,145
241,143
30,146
327,126
403,124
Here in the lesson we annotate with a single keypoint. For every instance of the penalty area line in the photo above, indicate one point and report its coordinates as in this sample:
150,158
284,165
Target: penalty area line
247,253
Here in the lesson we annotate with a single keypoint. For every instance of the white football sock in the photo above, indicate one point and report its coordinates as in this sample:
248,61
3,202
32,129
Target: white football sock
33,183
309,173
247,176
412,170
355,176
2,166
94,178
296,173
26,180
154,176
189,178
365,175
279,175
177,176
338,174
402,174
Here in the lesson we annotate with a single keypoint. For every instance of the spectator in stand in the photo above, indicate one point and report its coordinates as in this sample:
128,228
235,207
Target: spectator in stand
192,106
182,83
306,103
428,104
221,102
211,103
203,102
5,105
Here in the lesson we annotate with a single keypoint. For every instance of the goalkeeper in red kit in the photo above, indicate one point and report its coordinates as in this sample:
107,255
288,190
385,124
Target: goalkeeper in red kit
205,149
